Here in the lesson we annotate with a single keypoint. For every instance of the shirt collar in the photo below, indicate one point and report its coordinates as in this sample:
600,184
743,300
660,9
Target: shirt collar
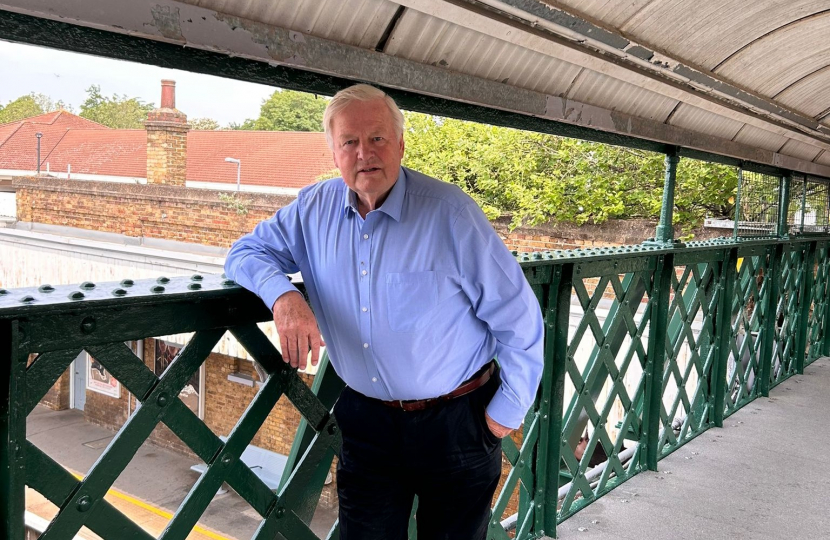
392,206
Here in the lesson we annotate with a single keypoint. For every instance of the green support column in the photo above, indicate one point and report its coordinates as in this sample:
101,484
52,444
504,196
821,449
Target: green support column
723,329
12,433
557,315
825,345
770,316
783,205
665,230
805,300
656,358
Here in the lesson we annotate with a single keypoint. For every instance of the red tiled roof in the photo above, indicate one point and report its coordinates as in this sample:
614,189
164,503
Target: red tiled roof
289,159
111,152
18,140
269,158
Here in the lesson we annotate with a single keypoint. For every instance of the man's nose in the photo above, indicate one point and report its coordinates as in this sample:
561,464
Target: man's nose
364,150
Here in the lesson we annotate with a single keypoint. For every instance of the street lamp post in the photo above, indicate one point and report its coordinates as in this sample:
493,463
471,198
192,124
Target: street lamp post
238,168
38,135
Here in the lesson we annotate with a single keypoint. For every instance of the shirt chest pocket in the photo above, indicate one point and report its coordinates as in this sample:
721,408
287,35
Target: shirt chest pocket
410,297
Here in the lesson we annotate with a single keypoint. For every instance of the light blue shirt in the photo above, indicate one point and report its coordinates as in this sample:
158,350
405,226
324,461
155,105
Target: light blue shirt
411,301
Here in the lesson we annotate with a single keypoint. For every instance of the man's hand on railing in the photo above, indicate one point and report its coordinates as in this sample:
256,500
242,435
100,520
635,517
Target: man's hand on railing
297,329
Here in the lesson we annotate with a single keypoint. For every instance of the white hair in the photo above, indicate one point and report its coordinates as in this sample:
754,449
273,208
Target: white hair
360,92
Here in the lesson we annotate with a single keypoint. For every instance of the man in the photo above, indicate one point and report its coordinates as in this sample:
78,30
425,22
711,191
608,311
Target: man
415,295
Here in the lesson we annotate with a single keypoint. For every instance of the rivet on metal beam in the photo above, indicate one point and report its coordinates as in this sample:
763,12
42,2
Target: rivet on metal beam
46,288
77,295
87,285
88,325
194,286
163,279
28,298
228,283
84,503
196,277
3,292
127,282
119,292
157,289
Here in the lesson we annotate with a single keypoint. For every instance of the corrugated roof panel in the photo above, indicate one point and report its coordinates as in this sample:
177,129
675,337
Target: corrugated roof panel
429,40
603,91
786,55
811,94
696,119
801,150
612,12
355,22
823,158
761,138
703,32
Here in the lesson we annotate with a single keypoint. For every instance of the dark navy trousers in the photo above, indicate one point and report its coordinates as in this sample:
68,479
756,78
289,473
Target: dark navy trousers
446,455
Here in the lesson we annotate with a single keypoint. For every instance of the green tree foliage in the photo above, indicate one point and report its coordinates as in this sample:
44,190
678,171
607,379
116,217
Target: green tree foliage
203,124
535,178
118,112
28,106
287,110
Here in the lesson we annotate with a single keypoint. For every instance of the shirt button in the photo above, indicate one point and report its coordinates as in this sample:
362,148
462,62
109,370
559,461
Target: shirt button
364,272
374,379
365,236
365,309
365,345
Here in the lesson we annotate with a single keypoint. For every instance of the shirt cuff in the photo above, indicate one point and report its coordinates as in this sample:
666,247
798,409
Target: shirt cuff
504,411
274,287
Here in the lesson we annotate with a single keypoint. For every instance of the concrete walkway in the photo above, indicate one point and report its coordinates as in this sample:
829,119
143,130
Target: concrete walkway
764,475
150,489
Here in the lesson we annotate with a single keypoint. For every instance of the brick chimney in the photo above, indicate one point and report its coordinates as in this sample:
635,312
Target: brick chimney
167,130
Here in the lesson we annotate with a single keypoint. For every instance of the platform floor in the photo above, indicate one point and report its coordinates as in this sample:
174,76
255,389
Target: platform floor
764,475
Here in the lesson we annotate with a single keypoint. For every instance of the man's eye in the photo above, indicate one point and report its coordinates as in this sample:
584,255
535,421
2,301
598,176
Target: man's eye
378,139
346,143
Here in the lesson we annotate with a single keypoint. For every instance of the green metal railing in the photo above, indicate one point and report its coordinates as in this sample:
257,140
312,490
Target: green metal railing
646,348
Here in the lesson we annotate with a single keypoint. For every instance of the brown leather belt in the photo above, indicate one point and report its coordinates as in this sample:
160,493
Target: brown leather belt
476,381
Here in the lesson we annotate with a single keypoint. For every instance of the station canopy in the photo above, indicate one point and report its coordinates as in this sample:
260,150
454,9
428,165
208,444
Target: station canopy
736,80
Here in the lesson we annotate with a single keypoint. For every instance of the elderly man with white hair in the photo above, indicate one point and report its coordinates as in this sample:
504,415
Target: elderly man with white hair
426,315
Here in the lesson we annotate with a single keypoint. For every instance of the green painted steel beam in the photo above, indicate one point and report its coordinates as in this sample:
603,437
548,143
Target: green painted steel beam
665,230
805,304
557,316
776,256
658,328
12,431
723,330
327,386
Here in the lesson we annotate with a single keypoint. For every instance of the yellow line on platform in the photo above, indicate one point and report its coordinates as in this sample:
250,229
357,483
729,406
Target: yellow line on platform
153,509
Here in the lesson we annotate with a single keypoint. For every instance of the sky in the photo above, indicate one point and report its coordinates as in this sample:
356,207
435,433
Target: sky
65,76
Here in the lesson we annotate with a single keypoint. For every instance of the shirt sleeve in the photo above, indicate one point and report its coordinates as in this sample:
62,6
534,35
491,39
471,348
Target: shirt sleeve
502,298
259,261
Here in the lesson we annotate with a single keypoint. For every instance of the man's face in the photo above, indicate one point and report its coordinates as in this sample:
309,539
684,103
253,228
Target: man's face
367,150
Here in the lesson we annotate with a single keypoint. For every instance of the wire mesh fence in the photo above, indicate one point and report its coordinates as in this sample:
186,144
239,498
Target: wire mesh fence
807,211
756,206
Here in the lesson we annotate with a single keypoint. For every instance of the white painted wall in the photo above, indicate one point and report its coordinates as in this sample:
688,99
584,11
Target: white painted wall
8,207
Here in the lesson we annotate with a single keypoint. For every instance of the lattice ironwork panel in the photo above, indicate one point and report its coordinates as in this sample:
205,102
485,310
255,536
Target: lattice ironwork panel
756,212
817,325
604,385
787,313
690,355
101,327
747,332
